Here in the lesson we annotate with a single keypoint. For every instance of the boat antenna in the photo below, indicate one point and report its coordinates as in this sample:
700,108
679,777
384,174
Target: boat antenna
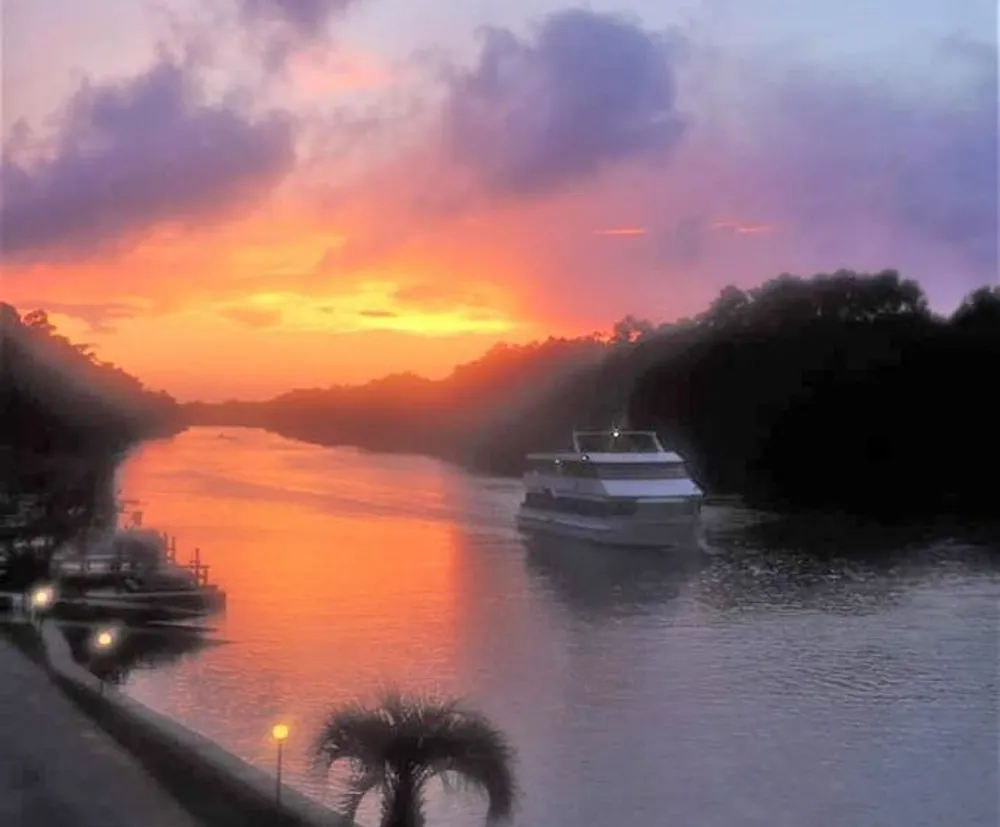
620,422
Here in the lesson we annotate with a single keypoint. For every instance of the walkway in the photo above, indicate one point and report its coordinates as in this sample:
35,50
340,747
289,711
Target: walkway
58,769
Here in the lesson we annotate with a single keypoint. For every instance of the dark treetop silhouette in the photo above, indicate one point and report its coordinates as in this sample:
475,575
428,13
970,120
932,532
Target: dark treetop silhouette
840,391
65,421
398,746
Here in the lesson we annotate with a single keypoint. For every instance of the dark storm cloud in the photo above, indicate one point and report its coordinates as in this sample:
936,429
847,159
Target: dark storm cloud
587,91
131,155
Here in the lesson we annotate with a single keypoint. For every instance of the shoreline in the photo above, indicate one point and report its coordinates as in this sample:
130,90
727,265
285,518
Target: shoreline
784,507
59,768
215,787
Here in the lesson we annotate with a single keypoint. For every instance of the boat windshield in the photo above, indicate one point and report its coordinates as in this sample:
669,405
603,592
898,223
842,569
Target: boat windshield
617,442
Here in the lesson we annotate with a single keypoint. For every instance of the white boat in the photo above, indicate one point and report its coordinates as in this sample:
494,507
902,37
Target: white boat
616,487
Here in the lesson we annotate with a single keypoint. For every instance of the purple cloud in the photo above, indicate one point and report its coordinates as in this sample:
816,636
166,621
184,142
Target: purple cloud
305,17
922,165
588,91
131,155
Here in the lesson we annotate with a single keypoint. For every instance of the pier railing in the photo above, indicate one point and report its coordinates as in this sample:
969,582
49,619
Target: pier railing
194,565
110,564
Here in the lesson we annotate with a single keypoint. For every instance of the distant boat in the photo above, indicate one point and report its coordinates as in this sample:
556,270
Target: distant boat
615,487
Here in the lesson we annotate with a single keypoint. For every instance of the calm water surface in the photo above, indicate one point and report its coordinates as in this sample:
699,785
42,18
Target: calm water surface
745,688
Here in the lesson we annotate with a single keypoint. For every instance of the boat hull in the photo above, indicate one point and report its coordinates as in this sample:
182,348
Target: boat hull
667,532
142,607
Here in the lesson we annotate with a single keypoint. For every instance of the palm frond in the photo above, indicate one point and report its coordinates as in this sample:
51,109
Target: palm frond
468,747
362,781
354,733
403,741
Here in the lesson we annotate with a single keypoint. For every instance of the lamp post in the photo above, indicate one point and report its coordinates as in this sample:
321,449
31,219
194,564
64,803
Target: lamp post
102,643
279,732
40,600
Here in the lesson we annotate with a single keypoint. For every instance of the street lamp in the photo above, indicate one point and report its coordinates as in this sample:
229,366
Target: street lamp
41,599
103,642
279,732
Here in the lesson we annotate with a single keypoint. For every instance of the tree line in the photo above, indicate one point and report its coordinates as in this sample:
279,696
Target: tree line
66,418
839,391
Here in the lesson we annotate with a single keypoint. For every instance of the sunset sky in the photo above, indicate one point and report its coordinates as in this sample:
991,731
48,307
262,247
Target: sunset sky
230,198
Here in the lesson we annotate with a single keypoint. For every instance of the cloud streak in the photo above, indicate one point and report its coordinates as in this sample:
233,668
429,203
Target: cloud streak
100,317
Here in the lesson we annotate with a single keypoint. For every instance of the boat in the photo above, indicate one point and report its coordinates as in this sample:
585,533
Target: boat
615,487
131,575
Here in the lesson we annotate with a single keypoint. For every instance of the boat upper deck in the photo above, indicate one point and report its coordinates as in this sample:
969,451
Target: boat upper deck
608,447
617,441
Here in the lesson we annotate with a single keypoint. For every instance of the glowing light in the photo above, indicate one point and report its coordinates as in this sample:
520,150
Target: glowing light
621,231
105,639
42,597
279,732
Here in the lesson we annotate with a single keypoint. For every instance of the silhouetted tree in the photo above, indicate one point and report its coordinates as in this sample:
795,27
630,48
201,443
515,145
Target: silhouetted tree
838,391
979,311
397,747
630,330
65,420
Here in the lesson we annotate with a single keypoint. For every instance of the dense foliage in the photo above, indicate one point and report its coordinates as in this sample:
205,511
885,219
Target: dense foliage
399,746
838,391
65,419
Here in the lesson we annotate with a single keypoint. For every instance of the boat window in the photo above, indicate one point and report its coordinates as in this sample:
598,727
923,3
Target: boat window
582,469
642,471
583,507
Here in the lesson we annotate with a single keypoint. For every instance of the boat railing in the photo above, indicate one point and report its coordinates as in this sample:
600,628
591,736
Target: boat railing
124,563
615,441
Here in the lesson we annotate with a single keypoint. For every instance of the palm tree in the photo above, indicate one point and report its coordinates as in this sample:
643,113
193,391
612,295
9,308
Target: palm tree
400,744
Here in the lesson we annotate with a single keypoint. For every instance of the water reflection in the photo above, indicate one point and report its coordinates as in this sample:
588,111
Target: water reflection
606,581
840,536
779,681
134,648
862,567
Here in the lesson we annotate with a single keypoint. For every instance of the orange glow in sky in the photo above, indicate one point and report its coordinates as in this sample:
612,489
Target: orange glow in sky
251,309
243,198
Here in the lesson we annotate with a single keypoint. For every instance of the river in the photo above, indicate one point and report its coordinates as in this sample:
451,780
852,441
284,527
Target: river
754,686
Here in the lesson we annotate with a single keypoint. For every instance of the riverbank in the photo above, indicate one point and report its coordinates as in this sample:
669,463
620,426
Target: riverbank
198,778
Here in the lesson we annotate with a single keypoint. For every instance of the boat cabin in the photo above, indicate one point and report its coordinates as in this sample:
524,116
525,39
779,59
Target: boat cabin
612,455
616,442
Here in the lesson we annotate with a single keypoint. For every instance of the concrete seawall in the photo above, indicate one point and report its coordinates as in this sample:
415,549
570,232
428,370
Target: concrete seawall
57,766
215,786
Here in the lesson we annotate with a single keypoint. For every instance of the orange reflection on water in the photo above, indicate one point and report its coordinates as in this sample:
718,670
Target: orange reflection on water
325,587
